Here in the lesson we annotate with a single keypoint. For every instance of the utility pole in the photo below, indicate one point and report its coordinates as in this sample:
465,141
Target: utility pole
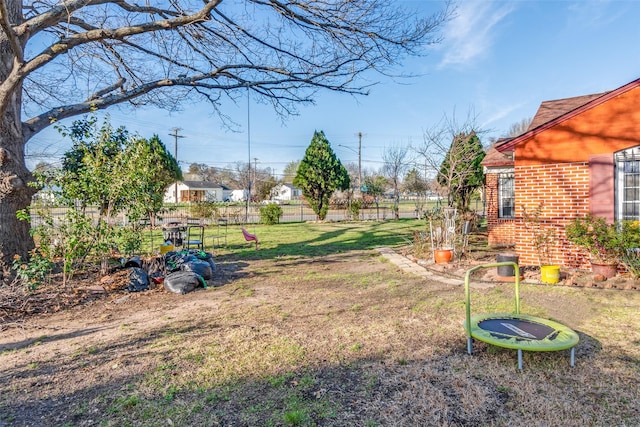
255,173
175,155
246,212
359,162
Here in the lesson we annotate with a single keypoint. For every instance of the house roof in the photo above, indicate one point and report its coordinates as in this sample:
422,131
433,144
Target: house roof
203,185
551,113
495,158
551,110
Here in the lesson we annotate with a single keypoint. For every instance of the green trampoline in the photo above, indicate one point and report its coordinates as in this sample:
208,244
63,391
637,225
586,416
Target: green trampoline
514,330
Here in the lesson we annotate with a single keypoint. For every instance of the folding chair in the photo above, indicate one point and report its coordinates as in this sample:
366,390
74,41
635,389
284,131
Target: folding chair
194,237
221,232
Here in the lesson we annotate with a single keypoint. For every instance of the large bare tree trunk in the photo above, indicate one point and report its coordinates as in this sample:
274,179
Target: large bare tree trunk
15,194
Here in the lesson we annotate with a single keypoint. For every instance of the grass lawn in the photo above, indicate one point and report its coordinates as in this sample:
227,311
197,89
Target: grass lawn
317,329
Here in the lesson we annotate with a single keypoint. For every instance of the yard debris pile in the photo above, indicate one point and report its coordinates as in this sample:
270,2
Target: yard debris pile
180,272
177,272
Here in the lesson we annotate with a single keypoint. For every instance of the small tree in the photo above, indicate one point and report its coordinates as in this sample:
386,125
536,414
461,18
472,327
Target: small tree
543,235
151,168
453,152
264,187
461,171
290,171
415,184
320,174
119,174
395,164
270,214
373,188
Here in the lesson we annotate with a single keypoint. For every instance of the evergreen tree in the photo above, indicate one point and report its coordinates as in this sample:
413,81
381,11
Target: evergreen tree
320,174
461,172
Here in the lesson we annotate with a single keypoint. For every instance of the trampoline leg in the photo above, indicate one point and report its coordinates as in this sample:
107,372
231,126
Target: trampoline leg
572,358
469,341
519,359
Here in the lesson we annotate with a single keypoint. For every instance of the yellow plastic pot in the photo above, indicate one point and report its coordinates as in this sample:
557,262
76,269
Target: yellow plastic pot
166,248
550,274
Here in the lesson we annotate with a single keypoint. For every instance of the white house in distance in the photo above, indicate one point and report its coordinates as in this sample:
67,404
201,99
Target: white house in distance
285,192
197,191
238,195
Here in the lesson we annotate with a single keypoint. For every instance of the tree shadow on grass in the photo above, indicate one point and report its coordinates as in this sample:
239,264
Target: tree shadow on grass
332,238
448,388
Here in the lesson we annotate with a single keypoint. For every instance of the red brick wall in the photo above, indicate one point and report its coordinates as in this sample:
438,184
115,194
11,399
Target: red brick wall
563,191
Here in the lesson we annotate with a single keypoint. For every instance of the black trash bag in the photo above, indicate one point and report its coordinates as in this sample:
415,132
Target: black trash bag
212,263
203,268
208,256
205,256
172,261
138,280
182,282
134,261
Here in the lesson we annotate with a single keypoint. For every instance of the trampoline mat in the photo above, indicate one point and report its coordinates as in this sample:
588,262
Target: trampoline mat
518,328
522,332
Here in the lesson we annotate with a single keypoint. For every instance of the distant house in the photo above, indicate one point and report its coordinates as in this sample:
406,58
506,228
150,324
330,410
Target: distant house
197,191
580,155
285,192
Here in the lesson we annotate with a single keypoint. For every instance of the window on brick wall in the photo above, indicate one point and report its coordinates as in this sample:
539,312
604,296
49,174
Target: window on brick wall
506,195
628,184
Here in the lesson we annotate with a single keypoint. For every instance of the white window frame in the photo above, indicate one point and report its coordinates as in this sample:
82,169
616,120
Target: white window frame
502,197
627,184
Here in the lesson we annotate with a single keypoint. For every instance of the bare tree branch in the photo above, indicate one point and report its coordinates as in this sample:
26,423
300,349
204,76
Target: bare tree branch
11,35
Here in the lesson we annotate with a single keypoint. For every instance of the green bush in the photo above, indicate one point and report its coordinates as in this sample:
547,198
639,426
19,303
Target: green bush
595,236
618,242
354,209
270,214
33,272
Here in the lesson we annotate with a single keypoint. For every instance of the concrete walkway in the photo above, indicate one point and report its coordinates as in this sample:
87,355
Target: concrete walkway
418,270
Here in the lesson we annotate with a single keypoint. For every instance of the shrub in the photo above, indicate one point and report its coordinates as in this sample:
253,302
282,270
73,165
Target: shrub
354,209
33,272
270,214
594,235
608,243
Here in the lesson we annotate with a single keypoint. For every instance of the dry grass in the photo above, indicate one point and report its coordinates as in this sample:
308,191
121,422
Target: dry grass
331,340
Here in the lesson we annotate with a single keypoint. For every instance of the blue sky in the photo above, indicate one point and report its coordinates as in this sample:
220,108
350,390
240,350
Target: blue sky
500,59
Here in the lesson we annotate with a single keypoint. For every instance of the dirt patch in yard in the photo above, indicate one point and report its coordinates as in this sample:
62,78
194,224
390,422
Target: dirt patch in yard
347,339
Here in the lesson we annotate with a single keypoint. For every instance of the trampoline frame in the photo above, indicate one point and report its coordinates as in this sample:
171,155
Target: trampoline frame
571,338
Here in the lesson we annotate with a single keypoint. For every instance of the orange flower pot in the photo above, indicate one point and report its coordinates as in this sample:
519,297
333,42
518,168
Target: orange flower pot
442,256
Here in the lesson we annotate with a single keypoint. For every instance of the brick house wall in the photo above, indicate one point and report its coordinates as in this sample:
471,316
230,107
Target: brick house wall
563,191
564,162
